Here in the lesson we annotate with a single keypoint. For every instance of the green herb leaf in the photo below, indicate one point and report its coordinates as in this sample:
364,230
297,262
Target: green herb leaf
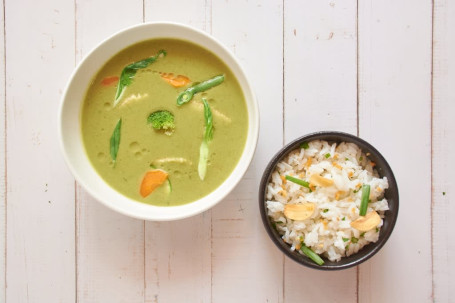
128,73
115,141
362,234
360,159
377,229
188,93
364,200
298,181
304,145
347,247
311,254
325,210
327,155
208,135
344,218
346,159
345,239
443,193
354,240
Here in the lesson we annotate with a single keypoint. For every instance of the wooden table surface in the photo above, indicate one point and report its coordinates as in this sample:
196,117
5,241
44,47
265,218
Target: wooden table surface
383,70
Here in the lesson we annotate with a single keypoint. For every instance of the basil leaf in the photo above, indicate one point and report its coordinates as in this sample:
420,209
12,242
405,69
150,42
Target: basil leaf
128,73
115,140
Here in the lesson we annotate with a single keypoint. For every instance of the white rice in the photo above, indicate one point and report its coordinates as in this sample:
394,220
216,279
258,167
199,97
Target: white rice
328,231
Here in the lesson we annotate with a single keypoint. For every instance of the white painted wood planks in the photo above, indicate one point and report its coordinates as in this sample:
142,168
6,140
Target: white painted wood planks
395,116
2,160
40,210
246,265
443,149
320,87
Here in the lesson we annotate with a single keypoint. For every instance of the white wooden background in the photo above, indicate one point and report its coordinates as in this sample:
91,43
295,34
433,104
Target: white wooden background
382,69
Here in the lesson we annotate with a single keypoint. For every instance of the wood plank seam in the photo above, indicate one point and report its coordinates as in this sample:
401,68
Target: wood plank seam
5,163
357,117
431,150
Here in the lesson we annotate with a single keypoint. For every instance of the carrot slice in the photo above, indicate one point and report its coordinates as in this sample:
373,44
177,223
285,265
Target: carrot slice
109,80
152,180
176,81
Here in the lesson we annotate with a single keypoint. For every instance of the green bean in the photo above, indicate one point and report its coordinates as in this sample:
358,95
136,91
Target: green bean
365,199
298,181
311,254
188,93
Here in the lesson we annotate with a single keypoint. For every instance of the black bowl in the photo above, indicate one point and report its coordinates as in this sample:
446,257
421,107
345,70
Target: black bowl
391,194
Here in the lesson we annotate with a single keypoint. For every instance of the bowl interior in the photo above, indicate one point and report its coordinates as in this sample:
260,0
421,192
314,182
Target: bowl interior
69,121
391,194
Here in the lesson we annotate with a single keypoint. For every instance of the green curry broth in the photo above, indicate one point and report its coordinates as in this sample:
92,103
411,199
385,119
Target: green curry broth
141,146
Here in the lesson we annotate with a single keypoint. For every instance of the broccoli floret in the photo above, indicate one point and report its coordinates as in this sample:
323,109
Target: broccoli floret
162,119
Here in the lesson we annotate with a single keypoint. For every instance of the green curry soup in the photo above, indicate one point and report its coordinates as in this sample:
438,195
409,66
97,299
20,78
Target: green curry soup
171,166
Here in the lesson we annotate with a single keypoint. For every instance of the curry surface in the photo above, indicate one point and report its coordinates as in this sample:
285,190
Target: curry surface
141,146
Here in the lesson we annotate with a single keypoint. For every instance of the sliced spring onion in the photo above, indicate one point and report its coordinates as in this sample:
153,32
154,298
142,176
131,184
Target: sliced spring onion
208,135
311,254
364,200
327,155
169,185
298,181
304,145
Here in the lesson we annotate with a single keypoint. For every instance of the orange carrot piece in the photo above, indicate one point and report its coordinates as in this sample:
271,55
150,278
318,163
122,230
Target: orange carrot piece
151,181
109,80
176,81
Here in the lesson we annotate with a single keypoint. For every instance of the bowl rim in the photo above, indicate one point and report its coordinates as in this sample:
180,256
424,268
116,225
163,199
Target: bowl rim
183,211
285,247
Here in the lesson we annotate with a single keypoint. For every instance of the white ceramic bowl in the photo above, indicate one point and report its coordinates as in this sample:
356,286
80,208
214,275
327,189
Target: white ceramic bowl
71,138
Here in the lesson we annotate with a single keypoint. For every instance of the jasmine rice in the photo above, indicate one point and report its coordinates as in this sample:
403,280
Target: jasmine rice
321,212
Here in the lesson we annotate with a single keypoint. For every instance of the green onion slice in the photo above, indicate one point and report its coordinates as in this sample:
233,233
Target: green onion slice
298,181
311,254
304,145
364,200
